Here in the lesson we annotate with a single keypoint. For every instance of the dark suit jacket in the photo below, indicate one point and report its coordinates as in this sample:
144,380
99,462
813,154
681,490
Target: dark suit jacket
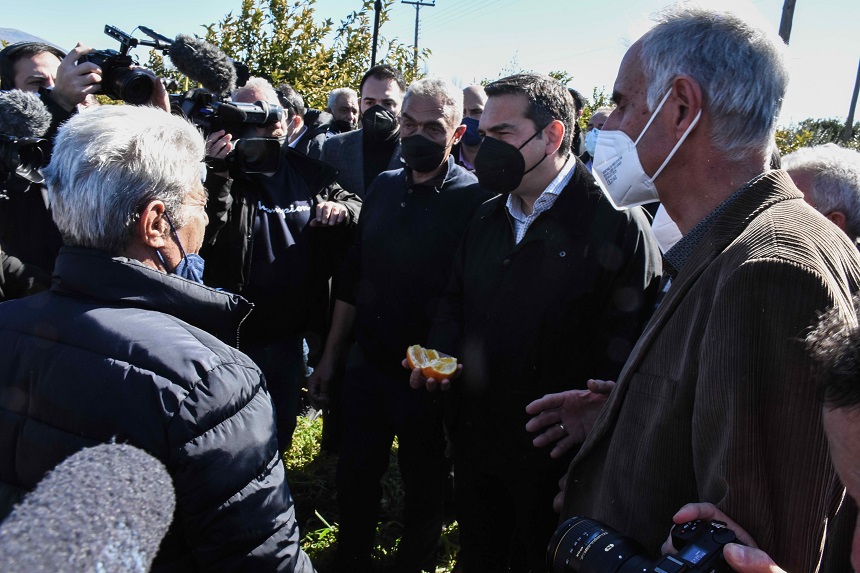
717,402
345,153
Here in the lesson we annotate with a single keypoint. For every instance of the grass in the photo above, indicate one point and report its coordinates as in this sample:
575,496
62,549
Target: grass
311,472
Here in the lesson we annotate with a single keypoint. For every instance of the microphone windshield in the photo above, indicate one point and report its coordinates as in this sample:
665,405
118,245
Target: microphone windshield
22,114
204,63
103,509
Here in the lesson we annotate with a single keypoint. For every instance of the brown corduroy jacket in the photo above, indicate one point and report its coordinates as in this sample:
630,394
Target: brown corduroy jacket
717,401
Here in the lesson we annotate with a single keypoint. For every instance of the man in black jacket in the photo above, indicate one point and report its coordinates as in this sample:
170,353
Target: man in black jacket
123,349
550,287
275,238
411,224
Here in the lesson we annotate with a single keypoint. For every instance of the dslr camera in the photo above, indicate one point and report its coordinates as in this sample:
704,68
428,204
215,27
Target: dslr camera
23,156
585,545
119,81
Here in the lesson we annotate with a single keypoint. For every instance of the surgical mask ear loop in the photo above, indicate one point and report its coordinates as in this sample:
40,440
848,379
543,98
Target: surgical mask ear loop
680,141
175,234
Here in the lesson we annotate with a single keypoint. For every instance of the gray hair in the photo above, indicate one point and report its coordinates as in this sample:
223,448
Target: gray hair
110,162
835,175
337,92
741,69
441,90
259,85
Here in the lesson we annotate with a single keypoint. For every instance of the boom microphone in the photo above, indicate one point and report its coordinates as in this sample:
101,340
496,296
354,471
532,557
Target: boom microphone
22,114
204,63
103,509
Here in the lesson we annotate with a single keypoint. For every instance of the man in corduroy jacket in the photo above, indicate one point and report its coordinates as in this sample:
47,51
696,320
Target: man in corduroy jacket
717,402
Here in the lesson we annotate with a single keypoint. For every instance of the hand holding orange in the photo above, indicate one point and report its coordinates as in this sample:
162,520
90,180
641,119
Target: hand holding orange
430,362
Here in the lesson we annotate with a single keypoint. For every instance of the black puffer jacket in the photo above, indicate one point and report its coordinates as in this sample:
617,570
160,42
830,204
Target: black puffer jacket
110,353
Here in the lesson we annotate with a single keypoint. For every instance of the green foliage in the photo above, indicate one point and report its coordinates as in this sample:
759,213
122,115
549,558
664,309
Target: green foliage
562,76
282,40
311,474
810,132
599,98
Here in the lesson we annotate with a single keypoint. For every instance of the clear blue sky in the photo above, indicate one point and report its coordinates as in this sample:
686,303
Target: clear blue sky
475,39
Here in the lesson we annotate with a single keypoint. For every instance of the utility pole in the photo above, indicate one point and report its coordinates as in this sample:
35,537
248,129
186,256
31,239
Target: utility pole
785,22
377,9
849,123
417,5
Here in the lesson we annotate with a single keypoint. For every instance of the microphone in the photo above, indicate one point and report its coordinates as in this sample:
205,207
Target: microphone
105,508
204,63
23,115
160,42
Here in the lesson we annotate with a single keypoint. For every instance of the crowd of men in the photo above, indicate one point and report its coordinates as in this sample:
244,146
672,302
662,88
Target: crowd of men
639,371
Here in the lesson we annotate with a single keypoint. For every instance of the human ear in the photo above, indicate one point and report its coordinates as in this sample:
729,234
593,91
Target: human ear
685,102
458,134
151,226
553,136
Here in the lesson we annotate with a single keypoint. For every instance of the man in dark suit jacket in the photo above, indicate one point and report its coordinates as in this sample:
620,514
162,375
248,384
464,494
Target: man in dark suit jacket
359,156
550,283
717,402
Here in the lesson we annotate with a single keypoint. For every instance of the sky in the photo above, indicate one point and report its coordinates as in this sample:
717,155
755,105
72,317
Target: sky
471,40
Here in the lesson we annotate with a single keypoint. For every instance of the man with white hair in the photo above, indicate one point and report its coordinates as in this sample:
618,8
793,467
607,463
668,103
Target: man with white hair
343,106
829,177
412,221
276,239
121,349
717,402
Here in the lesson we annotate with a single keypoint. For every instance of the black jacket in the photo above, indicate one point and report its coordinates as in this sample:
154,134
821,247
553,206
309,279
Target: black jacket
564,305
229,243
111,353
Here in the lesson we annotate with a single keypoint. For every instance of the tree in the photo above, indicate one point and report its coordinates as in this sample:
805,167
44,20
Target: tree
282,40
811,132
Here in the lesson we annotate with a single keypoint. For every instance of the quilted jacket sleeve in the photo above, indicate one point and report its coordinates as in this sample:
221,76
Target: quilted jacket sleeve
233,503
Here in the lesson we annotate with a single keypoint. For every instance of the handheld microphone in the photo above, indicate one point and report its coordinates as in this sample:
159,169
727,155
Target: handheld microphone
22,114
105,508
204,63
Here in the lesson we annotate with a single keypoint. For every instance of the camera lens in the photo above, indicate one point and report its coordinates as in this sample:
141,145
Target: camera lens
585,545
132,86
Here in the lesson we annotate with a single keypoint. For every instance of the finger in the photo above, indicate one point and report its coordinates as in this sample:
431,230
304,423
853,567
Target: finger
545,403
431,384
323,212
405,364
601,386
749,559
417,380
709,512
562,446
75,54
445,385
341,216
558,501
543,420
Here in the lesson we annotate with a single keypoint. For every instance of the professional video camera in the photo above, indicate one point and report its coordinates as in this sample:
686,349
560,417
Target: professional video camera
23,156
119,81
208,107
585,545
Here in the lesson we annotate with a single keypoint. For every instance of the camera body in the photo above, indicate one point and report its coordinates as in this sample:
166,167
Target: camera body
23,156
585,545
119,81
211,113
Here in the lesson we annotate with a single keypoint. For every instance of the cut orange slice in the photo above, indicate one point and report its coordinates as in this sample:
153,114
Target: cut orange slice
417,356
441,368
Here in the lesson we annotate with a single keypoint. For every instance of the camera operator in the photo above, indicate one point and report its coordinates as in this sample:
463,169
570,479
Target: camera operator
276,238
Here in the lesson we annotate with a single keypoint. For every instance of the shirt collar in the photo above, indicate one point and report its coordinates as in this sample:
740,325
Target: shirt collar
514,203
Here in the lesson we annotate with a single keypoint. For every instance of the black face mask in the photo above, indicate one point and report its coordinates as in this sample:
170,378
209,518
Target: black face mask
500,166
342,125
379,124
421,154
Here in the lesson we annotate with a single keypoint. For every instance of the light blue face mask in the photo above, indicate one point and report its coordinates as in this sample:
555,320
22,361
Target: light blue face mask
591,140
191,266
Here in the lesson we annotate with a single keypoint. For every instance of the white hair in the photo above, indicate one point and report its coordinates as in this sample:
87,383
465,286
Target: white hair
110,162
835,175
337,92
441,90
741,69
260,85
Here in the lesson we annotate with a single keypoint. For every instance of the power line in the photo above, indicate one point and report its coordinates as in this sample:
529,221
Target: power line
418,4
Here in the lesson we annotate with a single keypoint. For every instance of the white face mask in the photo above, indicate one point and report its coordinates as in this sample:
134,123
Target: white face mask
665,230
591,141
618,170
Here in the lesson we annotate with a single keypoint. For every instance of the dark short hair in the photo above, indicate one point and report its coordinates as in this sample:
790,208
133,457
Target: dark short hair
578,100
835,348
11,54
384,72
547,99
291,100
